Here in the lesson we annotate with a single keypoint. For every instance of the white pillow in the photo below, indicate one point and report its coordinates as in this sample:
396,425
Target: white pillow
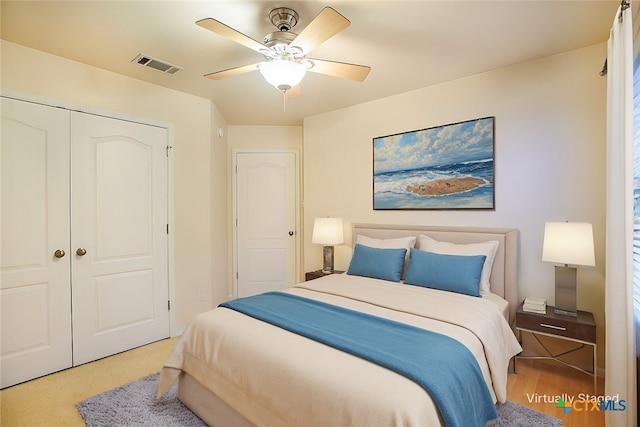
397,243
487,249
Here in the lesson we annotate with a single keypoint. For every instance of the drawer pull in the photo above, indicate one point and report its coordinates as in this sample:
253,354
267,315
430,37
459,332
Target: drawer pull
553,327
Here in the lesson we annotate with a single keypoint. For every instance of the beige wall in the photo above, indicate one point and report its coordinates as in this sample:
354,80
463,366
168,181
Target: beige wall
193,118
549,160
220,231
264,137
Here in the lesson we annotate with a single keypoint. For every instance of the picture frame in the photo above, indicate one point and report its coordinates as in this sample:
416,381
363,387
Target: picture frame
447,167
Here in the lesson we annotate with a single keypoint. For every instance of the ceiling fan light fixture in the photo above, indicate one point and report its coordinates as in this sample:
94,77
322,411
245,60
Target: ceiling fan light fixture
282,74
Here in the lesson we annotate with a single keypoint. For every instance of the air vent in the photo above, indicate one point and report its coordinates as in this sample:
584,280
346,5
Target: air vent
156,64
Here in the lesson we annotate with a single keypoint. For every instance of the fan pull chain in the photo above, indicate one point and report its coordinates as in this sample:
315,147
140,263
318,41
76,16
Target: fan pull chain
284,101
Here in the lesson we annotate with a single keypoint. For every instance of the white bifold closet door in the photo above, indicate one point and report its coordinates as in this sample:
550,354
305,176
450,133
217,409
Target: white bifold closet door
119,277
35,287
84,238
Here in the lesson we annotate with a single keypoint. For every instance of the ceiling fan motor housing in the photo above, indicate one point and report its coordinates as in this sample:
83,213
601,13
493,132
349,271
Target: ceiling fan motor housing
278,38
283,18
279,43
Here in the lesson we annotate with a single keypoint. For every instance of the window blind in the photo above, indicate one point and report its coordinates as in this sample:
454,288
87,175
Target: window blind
636,188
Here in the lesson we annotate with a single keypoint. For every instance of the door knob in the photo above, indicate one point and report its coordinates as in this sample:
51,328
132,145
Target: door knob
81,251
59,253
291,233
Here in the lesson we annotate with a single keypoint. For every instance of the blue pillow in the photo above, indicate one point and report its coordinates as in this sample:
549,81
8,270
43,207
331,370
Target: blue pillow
385,264
455,273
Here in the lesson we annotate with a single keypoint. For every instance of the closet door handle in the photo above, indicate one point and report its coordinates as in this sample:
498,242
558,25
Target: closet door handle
59,253
81,251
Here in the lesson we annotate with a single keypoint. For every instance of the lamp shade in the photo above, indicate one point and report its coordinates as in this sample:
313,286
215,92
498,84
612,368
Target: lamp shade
283,74
327,231
568,243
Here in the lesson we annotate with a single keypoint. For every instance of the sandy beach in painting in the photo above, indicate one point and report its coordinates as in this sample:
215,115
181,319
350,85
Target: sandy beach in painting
454,186
446,186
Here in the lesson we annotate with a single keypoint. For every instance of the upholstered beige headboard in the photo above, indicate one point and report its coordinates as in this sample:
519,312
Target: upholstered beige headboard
504,274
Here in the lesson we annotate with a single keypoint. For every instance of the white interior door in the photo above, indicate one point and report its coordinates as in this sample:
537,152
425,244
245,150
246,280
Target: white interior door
35,295
266,222
119,235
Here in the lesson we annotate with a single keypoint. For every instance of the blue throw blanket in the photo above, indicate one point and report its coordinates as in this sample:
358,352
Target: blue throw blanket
444,367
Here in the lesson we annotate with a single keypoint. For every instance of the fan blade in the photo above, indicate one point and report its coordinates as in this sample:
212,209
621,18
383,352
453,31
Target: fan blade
228,32
218,75
340,69
325,25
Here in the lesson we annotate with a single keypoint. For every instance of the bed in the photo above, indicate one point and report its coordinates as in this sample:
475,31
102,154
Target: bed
235,368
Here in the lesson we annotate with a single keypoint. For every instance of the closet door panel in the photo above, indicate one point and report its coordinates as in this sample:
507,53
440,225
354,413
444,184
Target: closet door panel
124,213
119,237
35,296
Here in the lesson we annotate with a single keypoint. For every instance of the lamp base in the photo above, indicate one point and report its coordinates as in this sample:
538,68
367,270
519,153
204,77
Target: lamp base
566,291
327,259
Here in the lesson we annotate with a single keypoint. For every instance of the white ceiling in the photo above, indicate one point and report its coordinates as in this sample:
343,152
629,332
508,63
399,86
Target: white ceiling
408,44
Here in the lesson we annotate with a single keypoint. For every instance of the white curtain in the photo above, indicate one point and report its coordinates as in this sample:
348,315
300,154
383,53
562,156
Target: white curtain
620,330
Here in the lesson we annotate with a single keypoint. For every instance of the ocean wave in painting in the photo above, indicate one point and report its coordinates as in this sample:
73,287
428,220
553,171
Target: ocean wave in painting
401,188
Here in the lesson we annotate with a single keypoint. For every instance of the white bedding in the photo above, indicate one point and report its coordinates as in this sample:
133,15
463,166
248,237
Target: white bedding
503,305
274,378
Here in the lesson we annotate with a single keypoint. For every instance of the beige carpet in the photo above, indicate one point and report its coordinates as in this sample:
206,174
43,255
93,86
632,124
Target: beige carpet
50,400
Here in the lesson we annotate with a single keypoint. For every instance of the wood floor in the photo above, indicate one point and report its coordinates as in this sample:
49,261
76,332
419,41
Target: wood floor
537,379
50,401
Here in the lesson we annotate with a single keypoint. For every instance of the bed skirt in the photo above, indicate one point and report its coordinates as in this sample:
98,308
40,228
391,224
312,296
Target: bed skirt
206,405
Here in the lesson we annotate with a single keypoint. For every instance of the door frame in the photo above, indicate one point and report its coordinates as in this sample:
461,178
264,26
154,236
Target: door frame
51,102
234,203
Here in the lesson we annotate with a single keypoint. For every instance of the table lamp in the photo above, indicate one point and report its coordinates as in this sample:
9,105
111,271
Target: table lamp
327,232
567,243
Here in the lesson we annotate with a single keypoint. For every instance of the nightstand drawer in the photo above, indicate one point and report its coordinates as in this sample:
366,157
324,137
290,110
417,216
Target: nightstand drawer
581,327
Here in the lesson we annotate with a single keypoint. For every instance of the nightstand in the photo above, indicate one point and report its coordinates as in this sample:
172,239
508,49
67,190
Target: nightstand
580,329
310,275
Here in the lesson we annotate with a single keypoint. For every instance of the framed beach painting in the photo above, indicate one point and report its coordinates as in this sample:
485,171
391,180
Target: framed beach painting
444,167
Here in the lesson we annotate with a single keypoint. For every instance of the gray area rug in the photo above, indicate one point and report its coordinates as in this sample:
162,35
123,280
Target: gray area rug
134,404
511,414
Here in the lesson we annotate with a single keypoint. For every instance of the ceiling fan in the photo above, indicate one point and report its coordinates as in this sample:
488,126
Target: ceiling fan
285,52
